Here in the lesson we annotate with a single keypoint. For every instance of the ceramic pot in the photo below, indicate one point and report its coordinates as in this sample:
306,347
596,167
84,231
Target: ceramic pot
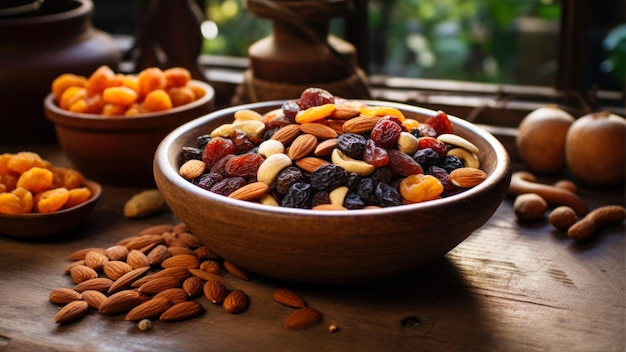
35,48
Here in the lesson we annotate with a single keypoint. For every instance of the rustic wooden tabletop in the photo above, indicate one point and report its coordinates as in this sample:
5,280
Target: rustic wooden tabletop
508,287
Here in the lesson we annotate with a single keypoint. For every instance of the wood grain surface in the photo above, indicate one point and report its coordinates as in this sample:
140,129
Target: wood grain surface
508,287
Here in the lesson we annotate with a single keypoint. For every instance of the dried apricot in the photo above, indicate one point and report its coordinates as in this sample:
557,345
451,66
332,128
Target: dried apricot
51,200
150,79
23,161
103,77
64,81
72,95
181,95
4,164
157,100
119,95
26,199
177,76
113,110
9,181
35,179
381,111
77,196
315,113
198,91
420,188
79,106
66,177
10,204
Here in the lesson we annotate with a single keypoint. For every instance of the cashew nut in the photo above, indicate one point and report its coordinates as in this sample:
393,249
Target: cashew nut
468,158
525,182
359,167
269,169
407,143
597,219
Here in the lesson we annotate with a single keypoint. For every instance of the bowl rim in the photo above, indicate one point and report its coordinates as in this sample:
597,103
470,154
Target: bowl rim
50,104
161,161
94,186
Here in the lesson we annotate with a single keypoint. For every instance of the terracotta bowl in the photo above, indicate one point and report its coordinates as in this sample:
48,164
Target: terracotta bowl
49,225
118,151
330,247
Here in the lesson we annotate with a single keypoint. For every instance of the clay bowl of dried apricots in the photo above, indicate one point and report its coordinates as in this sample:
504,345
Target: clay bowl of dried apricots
309,209
43,201
109,124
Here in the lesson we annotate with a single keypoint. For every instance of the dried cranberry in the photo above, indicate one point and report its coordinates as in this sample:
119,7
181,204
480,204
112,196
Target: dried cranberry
432,143
375,155
386,133
440,122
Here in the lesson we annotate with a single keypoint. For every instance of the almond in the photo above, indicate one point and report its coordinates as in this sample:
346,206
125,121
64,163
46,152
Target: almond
116,269
71,312
95,260
205,252
138,242
251,191
204,274
287,134
156,229
174,251
81,253
149,309
193,285
288,298
174,294
158,254
179,273
329,207
180,227
346,110
302,318
236,302
210,266
94,298
127,279
120,302
101,284
302,146
190,240
310,163
466,177
236,271
360,124
117,252
325,147
137,259
182,311
78,262
192,169
188,261
64,295
319,130
80,273
215,291
159,284
172,241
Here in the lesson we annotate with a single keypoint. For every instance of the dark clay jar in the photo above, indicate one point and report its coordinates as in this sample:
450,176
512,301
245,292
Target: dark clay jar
35,48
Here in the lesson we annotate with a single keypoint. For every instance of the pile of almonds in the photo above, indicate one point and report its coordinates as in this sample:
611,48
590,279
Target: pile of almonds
160,273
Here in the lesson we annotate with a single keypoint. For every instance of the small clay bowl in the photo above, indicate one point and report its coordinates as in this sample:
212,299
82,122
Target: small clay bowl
34,226
330,247
118,151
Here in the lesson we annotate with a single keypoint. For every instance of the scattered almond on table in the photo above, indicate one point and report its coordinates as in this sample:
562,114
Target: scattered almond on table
160,273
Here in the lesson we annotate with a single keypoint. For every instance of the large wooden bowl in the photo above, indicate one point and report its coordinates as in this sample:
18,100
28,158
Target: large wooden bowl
118,151
330,246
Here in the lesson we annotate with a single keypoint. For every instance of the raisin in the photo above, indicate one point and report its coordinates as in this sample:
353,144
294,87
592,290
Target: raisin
228,185
202,140
207,181
353,201
375,155
426,157
424,130
242,142
189,153
315,97
352,144
403,164
220,166
432,143
319,198
353,181
216,149
440,122
382,174
328,177
290,109
450,162
287,177
386,133
387,195
298,196
366,190
245,165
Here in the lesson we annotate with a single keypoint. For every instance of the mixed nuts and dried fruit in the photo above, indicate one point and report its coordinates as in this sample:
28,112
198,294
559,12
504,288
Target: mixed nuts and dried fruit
159,274
108,93
325,152
30,184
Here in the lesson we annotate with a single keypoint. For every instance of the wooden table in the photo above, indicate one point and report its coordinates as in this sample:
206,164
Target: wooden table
509,287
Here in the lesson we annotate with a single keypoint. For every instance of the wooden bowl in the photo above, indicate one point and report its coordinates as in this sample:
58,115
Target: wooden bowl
118,151
49,225
330,247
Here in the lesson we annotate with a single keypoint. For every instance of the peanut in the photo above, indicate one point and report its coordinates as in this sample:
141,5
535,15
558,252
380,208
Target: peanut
562,217
530,207
525,182
596,220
